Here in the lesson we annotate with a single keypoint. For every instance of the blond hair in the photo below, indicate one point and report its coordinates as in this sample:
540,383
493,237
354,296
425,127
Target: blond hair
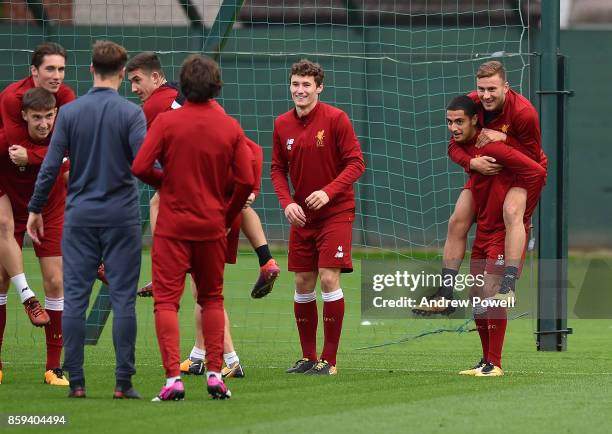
491,68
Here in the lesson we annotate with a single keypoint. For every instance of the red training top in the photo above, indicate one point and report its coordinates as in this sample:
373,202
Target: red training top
164,98
519,120
159,101
197,145
489,191
15,128
18,183
319,151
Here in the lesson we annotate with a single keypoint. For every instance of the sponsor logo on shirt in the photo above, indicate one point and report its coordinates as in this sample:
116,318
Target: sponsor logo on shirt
500,260
339,254
320,136
289,144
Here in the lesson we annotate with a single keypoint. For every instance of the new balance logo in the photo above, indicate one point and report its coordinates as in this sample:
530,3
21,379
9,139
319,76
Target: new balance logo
339,254
289,144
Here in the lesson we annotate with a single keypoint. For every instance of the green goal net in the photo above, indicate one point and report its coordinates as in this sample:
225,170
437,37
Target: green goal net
391,65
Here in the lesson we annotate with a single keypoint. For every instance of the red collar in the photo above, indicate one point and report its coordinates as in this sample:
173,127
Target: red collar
306,118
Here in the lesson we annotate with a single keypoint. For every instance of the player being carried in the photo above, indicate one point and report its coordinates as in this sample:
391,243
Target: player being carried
47,70
488,194
196,242
315,145
17,181
148,81
507,117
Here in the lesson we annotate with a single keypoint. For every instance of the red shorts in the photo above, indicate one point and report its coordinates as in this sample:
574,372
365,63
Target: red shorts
51,243
233,236
488,254
323,245
533,197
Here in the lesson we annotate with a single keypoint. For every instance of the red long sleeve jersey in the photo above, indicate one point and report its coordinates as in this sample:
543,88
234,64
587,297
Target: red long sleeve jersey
518,120
159,101
256,158
319,151
18,184
164,99
15,128
489,192
197,146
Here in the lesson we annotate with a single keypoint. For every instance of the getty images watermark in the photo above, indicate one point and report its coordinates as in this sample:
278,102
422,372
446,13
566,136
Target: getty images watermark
396,289
405,280
393,289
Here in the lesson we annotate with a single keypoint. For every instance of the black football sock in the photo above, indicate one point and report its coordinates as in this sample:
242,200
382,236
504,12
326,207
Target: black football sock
448,282
263,254
510,276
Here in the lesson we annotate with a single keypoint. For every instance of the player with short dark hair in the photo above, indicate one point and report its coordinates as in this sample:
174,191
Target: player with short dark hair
508,117
196,145
101,133
489,193
47,69
315,145
17,181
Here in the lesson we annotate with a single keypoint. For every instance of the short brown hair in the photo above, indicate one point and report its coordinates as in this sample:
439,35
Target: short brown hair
46,49
38,99
200,78
108,58
147,61
307,68
491,68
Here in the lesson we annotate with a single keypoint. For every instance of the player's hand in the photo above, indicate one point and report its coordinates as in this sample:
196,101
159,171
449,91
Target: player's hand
18,155
485,165
249,201
317,200
487,136
295,215
35,227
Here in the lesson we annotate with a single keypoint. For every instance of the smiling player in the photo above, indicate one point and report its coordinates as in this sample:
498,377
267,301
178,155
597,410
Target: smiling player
315,145
48,66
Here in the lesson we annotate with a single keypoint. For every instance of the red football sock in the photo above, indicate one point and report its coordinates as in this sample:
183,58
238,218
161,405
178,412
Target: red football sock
2,325
213,330
498,319
333,314
482,325
53,334
167,328
307,318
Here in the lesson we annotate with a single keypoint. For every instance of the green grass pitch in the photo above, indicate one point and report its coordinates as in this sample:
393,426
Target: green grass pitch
410,387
